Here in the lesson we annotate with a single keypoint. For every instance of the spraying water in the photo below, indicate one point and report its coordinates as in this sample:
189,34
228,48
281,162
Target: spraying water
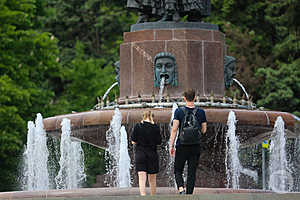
170,167
280,179
36,175
124,161
161,88
243,88
71,162
233,165
113,150
29,178
232,162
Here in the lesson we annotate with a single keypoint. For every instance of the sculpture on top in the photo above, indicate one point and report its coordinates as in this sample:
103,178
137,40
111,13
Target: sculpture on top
170,10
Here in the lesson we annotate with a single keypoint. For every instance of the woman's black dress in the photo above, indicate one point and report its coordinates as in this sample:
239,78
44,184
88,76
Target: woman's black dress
147,137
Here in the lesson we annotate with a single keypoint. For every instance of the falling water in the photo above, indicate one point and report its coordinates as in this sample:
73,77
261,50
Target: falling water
233,170
296,165
113,150
161,88
170,170
124,161
280,179
36,175
243,88
71,173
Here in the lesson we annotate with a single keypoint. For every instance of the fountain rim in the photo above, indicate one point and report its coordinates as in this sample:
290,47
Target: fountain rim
132,113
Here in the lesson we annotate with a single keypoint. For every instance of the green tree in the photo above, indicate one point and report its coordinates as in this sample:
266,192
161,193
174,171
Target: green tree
84,81
98,24
28,70
264,37
281,89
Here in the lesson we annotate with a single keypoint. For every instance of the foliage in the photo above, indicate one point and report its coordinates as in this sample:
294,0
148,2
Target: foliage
28,70
98,24
264,38
84,81
94,163
281,85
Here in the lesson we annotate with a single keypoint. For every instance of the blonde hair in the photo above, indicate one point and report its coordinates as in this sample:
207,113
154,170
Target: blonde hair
148,115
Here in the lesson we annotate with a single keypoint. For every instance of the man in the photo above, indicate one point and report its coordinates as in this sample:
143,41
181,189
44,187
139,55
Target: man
186,152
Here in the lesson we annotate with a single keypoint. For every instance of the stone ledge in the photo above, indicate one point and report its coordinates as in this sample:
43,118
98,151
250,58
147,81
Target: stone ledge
172,25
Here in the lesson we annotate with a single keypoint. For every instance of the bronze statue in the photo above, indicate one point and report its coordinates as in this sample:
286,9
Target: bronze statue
146,9
195,9
165,66
229,70
170,10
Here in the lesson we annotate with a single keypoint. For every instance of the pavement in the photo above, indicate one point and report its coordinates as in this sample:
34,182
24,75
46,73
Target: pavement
163,193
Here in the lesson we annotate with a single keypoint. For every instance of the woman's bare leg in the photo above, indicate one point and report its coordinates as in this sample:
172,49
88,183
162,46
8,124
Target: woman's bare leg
152,183
142,182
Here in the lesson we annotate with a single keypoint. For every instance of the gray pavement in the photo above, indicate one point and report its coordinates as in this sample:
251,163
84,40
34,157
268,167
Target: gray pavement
163,193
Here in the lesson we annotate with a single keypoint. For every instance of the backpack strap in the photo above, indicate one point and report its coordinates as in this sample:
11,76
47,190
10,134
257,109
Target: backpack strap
195,110
184,115
195,113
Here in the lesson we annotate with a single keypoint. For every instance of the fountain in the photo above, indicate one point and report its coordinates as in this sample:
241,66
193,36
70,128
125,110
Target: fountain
163,59
36,175
160,59
280,179
233,171
118,168
124,161
39,169
233,165
71,172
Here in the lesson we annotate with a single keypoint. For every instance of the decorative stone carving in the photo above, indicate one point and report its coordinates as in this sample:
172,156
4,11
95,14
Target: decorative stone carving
165,66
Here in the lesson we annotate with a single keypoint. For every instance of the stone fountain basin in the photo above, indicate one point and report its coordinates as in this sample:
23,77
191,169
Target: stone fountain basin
253,126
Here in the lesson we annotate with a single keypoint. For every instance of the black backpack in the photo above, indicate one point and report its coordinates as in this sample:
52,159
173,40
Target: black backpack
190,128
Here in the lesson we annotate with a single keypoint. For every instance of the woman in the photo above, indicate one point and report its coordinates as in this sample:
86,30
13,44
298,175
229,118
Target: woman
146,135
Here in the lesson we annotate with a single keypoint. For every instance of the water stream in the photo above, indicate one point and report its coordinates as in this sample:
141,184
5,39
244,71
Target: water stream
119,163
71,173
243,88
170,167
280,178
124,161
108,90
233,165
36,176
161,88
38,164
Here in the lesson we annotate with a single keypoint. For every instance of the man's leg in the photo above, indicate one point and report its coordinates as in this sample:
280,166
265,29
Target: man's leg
142,182
180,159
152,183
192,167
